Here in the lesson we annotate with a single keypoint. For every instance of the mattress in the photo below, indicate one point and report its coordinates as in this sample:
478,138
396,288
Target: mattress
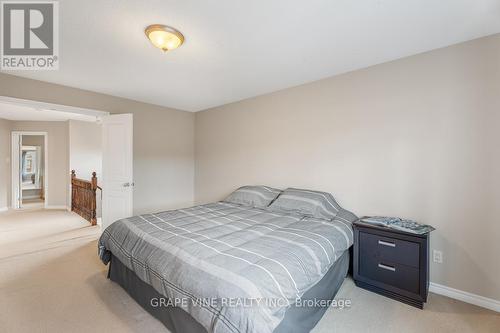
232,268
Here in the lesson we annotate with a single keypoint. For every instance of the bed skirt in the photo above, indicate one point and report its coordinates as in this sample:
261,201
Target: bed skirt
296,320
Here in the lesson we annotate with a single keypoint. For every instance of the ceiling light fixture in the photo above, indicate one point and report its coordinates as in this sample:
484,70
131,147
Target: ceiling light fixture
164,37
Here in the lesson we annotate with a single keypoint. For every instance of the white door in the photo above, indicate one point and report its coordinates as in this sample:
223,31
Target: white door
117,175
16,171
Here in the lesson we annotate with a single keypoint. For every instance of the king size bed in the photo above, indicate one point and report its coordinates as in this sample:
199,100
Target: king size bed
263,260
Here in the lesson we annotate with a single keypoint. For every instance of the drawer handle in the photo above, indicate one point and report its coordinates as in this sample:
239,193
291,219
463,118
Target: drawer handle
389,268
381,242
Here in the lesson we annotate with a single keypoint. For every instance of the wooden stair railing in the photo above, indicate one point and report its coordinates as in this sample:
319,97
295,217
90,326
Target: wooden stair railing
83,197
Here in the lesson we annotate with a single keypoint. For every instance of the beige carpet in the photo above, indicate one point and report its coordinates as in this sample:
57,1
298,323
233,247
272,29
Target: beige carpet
52,281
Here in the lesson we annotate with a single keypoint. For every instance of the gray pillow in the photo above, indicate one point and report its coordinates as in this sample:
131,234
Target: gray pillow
254,196
306,202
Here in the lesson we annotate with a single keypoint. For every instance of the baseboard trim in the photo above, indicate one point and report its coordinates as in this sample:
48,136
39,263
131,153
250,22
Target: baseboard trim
464,296
4,209
56,207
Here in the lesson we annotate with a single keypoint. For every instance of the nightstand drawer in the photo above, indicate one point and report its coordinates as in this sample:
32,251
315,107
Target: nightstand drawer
393,274
392,250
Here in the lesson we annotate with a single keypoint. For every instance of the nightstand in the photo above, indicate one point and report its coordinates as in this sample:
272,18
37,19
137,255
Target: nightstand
392,263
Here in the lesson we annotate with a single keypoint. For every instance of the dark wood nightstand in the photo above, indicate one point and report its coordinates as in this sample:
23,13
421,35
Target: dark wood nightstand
392,263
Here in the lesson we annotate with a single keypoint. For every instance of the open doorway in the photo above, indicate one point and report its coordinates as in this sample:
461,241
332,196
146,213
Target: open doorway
29,169
83,140
32,171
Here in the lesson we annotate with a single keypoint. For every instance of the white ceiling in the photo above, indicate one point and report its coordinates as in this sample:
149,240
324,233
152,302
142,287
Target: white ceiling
237,49
19,112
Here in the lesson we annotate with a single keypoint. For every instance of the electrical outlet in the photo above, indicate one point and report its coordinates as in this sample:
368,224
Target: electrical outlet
437,256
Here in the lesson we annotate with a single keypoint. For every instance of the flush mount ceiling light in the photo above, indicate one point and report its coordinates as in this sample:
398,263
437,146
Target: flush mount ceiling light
164,37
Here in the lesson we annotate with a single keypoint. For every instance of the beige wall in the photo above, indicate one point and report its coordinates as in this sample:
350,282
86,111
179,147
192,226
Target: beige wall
57,154
33,140
163,160
163,140
5,126
85,148
417,138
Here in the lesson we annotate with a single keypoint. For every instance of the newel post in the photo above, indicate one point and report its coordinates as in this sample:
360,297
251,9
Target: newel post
93,182
73,190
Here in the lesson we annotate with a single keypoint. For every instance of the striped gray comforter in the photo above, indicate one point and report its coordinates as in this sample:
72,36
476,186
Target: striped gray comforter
239,267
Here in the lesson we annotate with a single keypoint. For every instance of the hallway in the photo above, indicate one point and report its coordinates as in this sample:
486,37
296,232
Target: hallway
51,279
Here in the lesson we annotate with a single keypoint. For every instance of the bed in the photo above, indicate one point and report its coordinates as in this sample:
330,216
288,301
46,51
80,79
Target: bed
246,264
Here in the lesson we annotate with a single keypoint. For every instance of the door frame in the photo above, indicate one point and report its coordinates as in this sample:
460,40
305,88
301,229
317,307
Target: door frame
16,203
